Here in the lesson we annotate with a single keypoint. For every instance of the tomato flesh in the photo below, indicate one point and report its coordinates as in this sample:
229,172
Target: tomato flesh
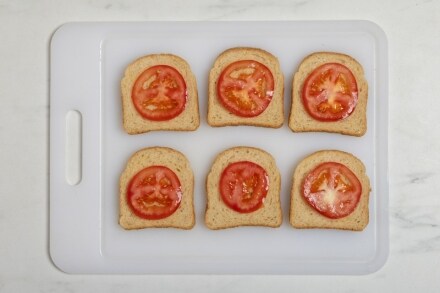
332,189
245,88
244,186
154,193
330,92
159,93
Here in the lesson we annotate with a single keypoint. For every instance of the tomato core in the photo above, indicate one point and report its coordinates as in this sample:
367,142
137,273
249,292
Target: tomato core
332,189
245,88
154,193
244,186
330,92
159,93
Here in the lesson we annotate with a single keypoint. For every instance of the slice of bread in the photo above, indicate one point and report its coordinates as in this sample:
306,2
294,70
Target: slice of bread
301,121
133,122
302,215
183,217
220,216
273,115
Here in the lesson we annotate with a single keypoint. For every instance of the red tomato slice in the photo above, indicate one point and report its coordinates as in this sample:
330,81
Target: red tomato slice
154,193
245,88
330,92
159,93
332,189
244,186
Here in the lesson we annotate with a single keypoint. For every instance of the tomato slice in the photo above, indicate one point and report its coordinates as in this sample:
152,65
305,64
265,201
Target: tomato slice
244,186
330,92
332,189
245,88
154,193
159,93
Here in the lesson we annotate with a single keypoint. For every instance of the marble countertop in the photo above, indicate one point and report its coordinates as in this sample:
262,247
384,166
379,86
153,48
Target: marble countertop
413,31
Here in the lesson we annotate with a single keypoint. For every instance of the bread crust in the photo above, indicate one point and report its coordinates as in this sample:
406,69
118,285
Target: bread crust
133,122
220,216
184,216
302,215
272,117
301,121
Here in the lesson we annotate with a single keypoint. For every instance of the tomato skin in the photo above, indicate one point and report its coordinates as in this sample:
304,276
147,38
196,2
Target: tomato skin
154,193
332,189
245,88
330,92
243,186
159,93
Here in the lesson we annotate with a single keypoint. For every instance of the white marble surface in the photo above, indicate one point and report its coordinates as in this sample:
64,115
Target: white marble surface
413,30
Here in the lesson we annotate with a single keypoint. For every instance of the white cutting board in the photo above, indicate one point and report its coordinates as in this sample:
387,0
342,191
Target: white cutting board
87,63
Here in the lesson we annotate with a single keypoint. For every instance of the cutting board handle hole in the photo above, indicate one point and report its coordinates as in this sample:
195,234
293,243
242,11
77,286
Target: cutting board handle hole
73,147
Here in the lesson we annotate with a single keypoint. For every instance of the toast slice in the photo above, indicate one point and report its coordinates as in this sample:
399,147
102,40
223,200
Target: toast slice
183,217
301,121
135,123
219,216
272,116
302,215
